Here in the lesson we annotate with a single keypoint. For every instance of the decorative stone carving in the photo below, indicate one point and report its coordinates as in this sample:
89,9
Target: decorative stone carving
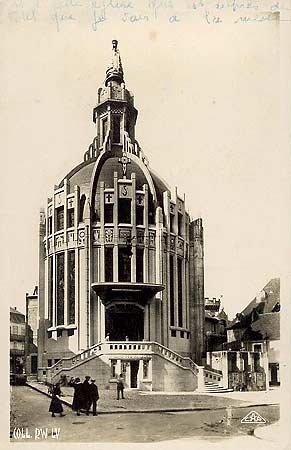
81,237
172,208
109,235
109,197
59,241
140,237
124,236
140,200
180,247
96,236
71,236
152,238
116,92
70,203
172,243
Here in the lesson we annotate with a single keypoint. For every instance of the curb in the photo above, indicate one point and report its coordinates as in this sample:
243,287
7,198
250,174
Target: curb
160,410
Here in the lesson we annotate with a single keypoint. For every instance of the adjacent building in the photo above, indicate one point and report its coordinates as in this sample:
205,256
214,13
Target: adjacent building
17,341
250,359
31,332
216,322
121,263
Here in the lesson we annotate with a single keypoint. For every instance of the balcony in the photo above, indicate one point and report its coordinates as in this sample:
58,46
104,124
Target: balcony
136,293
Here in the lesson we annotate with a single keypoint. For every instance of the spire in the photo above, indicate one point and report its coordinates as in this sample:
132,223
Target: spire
114,71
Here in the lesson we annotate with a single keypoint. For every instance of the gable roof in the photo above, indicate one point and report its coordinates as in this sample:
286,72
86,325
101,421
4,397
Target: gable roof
268,325
270,296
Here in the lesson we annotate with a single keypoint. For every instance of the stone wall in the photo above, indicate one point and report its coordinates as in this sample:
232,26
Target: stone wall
167,376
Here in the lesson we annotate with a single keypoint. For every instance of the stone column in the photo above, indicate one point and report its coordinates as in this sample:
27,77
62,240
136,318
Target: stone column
196,294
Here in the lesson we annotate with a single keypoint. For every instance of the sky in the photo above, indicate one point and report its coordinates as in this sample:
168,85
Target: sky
209,122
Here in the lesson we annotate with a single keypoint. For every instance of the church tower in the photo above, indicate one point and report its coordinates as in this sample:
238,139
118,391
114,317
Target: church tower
121,263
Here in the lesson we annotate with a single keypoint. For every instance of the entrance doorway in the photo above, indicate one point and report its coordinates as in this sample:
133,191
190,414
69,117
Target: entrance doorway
124,321
134,365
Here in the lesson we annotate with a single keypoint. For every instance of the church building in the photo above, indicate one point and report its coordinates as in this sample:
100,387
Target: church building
121,264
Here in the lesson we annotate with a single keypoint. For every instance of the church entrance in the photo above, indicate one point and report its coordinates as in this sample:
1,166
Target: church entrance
134,365
124,322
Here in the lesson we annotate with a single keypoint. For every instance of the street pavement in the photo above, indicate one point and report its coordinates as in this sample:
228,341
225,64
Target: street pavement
30,417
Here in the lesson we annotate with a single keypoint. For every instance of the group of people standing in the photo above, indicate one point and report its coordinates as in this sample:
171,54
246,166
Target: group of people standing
85,395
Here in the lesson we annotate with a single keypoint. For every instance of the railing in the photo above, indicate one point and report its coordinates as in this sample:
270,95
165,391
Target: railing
133,347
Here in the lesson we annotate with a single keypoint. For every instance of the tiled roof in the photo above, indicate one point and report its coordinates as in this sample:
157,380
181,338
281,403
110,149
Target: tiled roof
272,297
268,325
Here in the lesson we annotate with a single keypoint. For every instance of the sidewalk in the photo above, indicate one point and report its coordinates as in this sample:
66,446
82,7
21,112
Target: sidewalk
147,402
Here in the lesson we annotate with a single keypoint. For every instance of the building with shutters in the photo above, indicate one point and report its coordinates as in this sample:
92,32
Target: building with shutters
121,263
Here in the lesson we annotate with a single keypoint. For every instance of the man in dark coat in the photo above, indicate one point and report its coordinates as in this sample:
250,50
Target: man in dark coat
87,394
78,399
56,406
120,386
94,397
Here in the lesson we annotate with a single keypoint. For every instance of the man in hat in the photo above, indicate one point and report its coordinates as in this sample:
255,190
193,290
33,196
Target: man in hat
86,393
94,397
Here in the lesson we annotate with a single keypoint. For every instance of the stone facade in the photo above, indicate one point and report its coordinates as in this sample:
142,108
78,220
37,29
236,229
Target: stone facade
119,255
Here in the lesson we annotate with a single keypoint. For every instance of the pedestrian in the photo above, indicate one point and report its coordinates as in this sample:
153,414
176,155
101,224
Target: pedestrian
107,339
87,394
78,399
120,386
56,406
94,397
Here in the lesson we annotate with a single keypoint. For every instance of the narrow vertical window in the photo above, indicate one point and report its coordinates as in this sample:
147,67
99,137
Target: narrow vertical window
139,214
139,265
50,225
124,210
60,218
172,218
82,206
180,293
108,264
60,288
104,126
108,213
50,290
172,299
124,265
180,224
116,129
71,217
71,287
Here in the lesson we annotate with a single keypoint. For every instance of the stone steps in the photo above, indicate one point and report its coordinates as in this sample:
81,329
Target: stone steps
215,388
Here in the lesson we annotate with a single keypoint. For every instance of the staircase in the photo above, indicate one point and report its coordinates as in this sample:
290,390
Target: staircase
211,387
170,363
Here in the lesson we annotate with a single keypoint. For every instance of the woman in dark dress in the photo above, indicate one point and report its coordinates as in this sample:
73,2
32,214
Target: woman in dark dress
56,406
78,400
